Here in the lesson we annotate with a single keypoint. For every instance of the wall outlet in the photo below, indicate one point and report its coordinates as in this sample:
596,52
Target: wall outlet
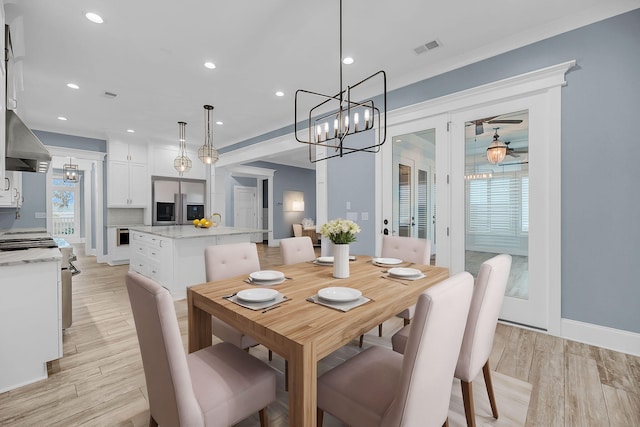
348,205
364,216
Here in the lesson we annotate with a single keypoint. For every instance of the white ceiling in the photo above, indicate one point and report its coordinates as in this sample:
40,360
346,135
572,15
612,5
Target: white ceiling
151,54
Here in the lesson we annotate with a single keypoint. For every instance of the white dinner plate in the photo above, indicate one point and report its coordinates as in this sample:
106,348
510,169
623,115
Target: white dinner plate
387,261
266,276
404,272
339,294
257,295
325,259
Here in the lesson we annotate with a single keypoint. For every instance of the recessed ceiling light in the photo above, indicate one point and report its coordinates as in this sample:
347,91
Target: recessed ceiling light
279,93
219,123
348,60
62,118
131,131
73,86
94,17
210,65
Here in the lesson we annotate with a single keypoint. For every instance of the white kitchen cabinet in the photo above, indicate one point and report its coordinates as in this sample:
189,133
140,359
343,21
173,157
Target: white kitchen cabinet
11,189
30,320
151,256
3,71
127,152
129,185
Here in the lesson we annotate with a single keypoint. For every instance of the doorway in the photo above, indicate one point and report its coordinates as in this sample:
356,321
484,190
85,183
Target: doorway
244,207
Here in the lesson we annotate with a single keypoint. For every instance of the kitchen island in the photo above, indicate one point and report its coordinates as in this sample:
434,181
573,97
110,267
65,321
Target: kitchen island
174,255
30,311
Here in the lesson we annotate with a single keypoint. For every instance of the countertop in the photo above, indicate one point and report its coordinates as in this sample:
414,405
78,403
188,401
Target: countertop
25,256
190,232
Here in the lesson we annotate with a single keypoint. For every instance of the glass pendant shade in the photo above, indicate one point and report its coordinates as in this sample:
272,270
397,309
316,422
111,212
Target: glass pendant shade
497,150
208,153
70,172
182,163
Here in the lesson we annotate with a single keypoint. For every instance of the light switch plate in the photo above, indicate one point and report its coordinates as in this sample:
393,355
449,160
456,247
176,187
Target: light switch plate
41,215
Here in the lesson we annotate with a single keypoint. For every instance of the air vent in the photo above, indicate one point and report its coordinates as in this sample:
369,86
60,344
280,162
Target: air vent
110,94
427,46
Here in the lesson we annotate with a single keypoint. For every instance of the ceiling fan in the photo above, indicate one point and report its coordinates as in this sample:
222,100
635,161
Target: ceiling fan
512,151
479,124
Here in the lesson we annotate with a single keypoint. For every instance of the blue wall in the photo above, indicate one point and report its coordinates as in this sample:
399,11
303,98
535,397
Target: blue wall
288,178
600,152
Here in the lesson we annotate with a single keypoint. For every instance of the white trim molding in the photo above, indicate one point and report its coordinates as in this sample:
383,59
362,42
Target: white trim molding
601,336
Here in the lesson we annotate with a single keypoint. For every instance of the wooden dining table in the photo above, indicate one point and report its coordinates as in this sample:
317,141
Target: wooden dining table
301,331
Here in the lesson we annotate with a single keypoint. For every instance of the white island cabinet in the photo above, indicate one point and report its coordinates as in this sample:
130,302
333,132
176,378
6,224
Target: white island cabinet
174,255
30,315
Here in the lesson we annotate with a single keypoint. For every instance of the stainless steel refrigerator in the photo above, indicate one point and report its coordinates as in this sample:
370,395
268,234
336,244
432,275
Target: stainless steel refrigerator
177,201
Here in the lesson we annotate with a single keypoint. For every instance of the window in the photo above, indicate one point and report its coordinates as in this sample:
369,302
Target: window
65,208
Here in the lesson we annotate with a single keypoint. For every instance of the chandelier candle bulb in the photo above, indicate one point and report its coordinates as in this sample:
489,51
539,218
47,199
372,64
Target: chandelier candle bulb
319,131
335,128
355,122
326,130
366,118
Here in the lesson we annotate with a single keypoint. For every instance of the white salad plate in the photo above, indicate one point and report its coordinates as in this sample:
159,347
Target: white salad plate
324,260
266,276
404,272
387,261
339,294
257,295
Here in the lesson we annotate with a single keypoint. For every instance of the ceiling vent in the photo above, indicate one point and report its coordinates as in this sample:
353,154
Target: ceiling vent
110,95
427,46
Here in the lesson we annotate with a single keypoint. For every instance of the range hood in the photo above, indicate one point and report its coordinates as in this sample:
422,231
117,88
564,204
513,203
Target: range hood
25,152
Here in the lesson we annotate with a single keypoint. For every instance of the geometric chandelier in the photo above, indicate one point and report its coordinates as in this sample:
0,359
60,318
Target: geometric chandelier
333,121
497,150
208,153
182,163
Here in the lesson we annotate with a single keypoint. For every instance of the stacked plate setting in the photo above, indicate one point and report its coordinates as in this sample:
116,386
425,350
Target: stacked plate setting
406,273
325,260
257,295
266,277
386,262
339,294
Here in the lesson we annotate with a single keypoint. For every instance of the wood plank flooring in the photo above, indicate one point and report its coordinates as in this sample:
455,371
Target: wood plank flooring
100,381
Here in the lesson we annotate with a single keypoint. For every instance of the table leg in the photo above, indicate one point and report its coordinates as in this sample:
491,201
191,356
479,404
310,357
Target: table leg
303,376
199,326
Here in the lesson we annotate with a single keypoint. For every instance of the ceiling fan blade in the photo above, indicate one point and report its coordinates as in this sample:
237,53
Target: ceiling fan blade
505,121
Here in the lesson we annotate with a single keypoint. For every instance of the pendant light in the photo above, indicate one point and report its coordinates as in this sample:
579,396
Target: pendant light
497,150
208,153
70,172
182,163
334,118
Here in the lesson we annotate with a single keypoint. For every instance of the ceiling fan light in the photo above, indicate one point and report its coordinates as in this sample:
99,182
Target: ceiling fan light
496,152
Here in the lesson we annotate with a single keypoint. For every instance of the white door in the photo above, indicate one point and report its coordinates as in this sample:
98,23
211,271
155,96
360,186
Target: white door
244,207
502,207
411,184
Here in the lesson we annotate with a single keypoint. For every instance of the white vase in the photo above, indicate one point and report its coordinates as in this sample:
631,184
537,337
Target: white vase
340,261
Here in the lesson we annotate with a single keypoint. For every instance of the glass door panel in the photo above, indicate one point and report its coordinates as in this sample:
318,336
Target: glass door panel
497,195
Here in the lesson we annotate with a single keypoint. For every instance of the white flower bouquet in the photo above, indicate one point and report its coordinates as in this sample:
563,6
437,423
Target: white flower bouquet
340,231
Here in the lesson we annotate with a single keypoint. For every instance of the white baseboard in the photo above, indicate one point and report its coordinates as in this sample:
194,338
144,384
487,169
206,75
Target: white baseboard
601,336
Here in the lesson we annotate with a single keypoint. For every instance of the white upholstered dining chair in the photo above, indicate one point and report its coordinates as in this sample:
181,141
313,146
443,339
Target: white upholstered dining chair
297,249
222,262
408,249
488,294
218,385
380,387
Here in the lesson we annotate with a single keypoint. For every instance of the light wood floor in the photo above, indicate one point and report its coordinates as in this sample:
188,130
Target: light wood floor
100,380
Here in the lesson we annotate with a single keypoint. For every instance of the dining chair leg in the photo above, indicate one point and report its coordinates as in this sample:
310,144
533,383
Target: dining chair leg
380,330
446,423
270,355
361,340
406,321
152,422
320,417
264,417
467,398
486,371
286,375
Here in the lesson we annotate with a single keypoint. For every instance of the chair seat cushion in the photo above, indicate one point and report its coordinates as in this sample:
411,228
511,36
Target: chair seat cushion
407,313
400,338
230,384
350,391
230,334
